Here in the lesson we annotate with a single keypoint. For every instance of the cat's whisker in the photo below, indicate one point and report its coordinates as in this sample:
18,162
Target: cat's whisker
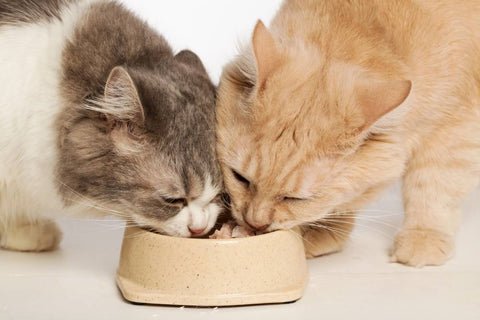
339,221
119,227
105,220
330,224
300,236
348,214
357,221
89,202
367,214
342,234
94,205
134,235
225,206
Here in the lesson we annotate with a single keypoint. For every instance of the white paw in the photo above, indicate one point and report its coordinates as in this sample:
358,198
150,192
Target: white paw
42,235
422,247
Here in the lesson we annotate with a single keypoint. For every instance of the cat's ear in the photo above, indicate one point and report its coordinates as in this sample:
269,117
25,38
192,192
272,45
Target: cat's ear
377,98
121,100
267,55
190,59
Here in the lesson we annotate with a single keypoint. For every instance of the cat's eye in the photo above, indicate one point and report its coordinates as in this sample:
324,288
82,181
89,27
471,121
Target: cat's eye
241,178
175,201
292,199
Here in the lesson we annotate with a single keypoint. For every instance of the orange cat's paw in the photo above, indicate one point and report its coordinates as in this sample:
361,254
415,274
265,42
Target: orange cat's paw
318,242
422,247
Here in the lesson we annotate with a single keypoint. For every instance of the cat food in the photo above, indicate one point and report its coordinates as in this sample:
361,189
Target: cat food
231,230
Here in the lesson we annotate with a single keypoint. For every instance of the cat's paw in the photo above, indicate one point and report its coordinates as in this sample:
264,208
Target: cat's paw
422,247
42,235
319,242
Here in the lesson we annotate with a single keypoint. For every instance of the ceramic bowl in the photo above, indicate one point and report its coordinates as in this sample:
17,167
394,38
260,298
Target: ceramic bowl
157,269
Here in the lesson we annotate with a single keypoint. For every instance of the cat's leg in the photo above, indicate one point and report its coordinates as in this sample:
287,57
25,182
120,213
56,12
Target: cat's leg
332,234
328,237
21,234
439,176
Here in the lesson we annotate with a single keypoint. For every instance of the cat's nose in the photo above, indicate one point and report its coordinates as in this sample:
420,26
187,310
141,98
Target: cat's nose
196,231
257,226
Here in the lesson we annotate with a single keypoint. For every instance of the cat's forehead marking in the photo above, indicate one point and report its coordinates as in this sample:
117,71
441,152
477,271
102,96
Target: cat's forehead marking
193,185
210,191
240,158
256,166
276,163
246,162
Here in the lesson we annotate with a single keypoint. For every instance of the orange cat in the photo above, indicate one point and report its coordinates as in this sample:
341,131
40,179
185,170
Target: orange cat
341,98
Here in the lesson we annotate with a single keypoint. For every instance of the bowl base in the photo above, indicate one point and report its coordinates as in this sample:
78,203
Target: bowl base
137,294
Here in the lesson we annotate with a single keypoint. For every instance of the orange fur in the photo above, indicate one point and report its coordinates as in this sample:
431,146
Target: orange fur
363,92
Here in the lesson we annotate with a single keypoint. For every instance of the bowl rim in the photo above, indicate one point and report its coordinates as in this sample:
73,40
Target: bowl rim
232,240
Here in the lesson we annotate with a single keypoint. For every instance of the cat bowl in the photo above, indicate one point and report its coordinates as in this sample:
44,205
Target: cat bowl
157,269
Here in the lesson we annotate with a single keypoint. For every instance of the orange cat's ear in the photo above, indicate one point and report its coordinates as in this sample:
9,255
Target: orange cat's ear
377,98
266,53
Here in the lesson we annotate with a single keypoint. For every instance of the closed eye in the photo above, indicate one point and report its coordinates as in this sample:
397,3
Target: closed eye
175,201
241,178
292,199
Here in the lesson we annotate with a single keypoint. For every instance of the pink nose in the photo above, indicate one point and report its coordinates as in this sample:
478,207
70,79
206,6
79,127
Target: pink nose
257,226
196,231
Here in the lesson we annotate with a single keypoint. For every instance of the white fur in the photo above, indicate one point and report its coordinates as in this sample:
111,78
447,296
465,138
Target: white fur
30,102
30,72
199,214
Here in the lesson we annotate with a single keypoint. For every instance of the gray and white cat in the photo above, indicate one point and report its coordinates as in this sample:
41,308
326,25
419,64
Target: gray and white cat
97,113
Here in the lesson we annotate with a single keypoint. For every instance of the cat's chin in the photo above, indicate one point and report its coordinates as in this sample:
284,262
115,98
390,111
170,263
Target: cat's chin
177,232
276,226
176,226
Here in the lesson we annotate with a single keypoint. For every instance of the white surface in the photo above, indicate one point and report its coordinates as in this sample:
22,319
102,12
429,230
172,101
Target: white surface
77,282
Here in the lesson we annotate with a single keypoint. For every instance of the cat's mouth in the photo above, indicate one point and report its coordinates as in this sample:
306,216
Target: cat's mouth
169,228
228,230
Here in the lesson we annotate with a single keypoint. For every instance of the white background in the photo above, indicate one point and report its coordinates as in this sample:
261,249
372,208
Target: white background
77,282
212,28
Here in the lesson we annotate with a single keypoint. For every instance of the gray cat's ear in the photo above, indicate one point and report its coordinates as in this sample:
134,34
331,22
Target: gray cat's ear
121,100
189,58
267,55
377,98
